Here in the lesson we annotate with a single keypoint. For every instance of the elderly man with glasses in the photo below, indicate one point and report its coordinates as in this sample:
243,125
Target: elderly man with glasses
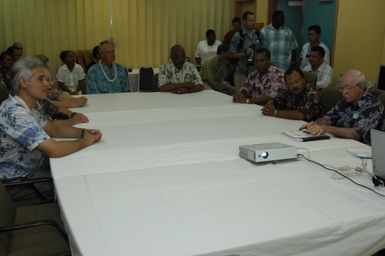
354,115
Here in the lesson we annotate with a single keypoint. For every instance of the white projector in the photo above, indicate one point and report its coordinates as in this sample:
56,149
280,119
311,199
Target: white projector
267,152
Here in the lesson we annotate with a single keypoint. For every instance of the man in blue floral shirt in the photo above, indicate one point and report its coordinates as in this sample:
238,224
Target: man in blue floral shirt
25,133
299,102
179,76
354,115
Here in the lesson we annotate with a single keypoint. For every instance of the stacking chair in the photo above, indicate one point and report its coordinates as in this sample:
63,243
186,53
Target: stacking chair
30,230
4,93
146,76
330,97
311,78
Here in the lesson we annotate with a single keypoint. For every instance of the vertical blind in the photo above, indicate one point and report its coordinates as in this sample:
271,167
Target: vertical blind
143,30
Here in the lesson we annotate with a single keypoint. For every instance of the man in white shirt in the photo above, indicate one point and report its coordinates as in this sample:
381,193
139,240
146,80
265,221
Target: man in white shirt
207,48
317,64
313,37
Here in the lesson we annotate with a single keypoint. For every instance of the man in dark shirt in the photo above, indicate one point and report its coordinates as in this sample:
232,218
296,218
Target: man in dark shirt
299,102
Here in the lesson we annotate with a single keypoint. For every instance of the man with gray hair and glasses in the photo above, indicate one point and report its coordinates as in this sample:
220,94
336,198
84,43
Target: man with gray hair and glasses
25,133
354,115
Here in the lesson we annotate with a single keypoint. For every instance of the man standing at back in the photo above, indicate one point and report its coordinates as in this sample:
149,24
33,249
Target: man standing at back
281,42
313,37
243,44
107,76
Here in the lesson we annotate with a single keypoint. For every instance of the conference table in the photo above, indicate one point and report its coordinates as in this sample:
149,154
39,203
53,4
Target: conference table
166,179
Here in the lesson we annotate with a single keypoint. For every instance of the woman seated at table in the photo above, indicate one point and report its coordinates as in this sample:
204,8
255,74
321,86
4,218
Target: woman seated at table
70,76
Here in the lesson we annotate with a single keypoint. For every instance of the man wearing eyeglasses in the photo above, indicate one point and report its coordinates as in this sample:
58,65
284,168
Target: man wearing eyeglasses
354,115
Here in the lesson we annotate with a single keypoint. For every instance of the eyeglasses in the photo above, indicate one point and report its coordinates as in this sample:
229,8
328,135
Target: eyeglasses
347,88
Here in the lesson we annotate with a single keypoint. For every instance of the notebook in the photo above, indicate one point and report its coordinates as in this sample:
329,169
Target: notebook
378,149
304,136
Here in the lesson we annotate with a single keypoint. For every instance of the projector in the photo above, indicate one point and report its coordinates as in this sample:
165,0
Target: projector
267,152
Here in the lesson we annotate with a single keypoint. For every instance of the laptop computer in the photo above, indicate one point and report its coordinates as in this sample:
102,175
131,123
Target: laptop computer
378,149
381,78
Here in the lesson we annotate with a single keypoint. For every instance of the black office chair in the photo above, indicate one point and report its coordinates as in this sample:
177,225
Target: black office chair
146,76
30,230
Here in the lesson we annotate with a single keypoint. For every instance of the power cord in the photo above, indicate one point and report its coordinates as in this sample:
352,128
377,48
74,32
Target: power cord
340,173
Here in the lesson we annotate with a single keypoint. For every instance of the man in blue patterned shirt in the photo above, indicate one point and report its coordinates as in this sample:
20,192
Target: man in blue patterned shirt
25,133
281,42
299,102
243,45
354,115
179,76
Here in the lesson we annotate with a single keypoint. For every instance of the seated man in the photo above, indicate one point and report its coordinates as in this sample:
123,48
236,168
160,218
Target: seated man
317,64
206,48
25,133
314,39
214,71
106,76
61,99
179,76
300,102
263,84
354,115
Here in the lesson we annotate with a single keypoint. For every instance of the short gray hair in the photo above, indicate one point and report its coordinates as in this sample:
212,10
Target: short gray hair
359,77
23,69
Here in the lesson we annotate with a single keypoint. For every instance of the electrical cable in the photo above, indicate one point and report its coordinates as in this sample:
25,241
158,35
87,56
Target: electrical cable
338,172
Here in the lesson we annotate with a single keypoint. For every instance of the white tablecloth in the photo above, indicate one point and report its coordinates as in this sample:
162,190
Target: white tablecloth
166,179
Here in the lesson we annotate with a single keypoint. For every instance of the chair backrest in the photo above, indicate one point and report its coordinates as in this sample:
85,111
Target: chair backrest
83,58
7,218
311,78
330,97
4,93
146,76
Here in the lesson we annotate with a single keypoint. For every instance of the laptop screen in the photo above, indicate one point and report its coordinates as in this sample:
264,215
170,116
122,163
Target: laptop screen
381,78
378,149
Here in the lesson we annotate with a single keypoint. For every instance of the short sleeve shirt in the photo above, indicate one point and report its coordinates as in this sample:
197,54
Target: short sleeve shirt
309,103
21,131
269,84
70,78
102,79
362,116
280,42
240,41
169,74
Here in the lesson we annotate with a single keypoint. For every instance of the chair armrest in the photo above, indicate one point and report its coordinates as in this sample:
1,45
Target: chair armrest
35,224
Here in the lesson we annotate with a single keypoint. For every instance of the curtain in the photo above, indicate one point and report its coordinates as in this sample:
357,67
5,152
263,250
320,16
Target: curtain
143,30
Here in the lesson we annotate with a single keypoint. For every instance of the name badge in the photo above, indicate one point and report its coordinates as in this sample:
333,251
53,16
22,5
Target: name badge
356,114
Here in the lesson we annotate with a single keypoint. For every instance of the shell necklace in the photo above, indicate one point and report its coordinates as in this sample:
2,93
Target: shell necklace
105,75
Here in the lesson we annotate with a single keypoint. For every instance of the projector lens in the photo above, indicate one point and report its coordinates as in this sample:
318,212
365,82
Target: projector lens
264,155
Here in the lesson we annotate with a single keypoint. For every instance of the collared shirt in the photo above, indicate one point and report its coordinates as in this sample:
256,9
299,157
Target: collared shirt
70,78
306,52
324,74
269,84
21,131
204,50
362,116
102,79
309,103
280,42
169,74
214,73
240,41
